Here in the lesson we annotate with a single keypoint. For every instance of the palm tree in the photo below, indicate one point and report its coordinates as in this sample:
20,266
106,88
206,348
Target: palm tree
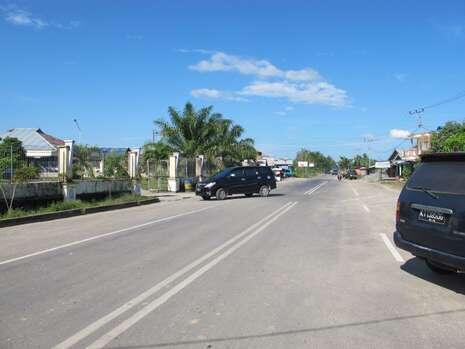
156,151
202,132
83,156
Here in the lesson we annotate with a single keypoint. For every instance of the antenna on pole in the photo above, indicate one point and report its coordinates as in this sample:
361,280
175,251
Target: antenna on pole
417,113
79,130
368,140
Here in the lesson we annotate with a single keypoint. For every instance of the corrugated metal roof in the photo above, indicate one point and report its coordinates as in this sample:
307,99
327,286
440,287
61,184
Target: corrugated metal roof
31,138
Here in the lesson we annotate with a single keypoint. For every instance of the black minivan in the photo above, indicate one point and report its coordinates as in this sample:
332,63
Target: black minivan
246,180
430,220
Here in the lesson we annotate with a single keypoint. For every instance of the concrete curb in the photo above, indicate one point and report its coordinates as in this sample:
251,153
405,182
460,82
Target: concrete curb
8,222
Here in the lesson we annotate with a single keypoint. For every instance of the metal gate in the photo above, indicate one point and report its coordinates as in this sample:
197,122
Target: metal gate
156,175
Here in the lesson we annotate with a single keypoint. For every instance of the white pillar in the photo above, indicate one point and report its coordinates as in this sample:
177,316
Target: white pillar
133,162
69,192
173,180
63,163
70,144
199,161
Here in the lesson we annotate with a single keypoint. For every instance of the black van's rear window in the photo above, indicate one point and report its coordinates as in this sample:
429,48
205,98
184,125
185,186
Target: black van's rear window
441,176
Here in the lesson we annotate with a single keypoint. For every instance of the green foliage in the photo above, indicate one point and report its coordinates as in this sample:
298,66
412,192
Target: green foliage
83,156
322,163
115,166
345,163
407,171
26,173
202,132
359,160
12,154
156,151
449,138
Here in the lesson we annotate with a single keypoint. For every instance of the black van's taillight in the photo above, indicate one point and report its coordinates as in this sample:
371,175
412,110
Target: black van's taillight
398,211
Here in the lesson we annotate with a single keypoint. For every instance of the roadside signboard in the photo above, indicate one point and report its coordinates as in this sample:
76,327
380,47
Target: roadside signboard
302,163
311,164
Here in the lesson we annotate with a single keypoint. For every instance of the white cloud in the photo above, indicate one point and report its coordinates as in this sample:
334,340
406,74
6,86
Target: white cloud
220,61
400,77
19,17
24,18
298,86
206,92
309,93
397,133
135,37
216,94
289,108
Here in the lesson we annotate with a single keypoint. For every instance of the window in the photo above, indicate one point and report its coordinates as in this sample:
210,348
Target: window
441,176
237,172
251,172
264,171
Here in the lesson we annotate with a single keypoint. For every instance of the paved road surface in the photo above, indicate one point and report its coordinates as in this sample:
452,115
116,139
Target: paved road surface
311,266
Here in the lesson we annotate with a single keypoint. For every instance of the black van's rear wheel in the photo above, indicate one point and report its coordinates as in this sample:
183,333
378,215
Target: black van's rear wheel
220,194
439,268
264,191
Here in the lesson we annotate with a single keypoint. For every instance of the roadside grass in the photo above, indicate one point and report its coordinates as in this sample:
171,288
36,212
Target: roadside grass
58,206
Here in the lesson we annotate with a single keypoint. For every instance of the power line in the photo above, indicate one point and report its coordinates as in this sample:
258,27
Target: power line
444,101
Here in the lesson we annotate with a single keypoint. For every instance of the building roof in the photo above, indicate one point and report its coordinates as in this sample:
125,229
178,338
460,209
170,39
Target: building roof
34,139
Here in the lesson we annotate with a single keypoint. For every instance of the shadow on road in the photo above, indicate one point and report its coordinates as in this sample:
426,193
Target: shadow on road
418,268
265,335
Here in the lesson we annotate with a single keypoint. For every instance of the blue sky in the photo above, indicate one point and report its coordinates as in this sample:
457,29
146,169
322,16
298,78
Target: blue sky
317,74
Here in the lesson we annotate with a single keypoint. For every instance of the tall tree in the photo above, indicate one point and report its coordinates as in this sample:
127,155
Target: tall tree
203,132
449,138
156,151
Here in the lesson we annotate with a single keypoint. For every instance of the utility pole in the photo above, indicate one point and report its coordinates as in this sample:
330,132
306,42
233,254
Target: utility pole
368,140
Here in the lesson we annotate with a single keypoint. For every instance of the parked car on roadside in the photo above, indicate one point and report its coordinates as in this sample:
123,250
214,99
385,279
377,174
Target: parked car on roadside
430,219
246,180
350,174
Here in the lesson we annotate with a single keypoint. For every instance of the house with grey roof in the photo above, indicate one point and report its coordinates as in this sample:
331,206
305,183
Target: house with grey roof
41,148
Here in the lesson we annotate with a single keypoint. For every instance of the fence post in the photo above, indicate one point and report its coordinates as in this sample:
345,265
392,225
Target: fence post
133,164
199,160
70,144
173,180
63,163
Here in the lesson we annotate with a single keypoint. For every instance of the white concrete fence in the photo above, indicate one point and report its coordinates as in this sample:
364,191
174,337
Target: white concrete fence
65,166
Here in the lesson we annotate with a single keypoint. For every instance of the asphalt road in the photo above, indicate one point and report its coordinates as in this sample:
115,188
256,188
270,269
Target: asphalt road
311,266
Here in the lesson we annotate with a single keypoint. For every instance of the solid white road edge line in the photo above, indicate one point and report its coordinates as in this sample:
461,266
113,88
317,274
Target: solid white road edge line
125,325
391,248
85,332
74,243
